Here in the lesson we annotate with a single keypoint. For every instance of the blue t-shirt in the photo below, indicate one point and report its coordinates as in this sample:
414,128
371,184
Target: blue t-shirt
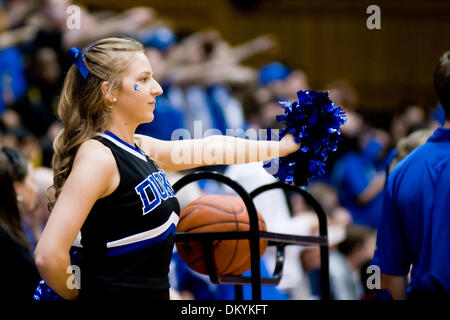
351,175
12,76
415,223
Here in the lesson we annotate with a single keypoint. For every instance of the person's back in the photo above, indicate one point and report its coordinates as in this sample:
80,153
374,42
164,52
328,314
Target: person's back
417,191
415,222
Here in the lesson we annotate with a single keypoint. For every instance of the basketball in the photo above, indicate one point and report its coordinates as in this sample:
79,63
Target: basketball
217,213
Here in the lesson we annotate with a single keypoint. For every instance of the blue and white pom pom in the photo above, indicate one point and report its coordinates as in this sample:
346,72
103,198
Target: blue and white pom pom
315,121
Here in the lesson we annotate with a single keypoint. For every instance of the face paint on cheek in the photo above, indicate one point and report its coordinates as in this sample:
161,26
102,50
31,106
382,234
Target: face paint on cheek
136,87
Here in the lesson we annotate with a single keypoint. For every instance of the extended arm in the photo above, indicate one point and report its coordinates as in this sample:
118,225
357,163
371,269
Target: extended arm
213,150
254,46
128,22
17,36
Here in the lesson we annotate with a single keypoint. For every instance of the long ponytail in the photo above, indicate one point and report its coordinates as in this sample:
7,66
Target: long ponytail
82,107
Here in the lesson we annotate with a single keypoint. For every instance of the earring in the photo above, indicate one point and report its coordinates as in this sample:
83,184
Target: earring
114,99
20,203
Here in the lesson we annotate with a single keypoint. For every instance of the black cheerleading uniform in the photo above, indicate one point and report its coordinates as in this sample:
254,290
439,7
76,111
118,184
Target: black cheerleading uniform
128,236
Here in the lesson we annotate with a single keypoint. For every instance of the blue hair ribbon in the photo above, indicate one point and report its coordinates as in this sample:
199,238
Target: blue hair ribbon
76,56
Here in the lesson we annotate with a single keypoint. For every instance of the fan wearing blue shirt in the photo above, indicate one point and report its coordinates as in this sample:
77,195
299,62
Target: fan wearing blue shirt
360,183
415,224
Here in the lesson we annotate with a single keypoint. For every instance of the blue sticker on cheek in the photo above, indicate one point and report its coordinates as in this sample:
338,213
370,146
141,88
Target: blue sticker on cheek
136,87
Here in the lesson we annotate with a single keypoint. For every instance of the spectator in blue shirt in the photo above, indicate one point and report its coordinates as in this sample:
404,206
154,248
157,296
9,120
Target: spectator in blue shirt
415,227
360,180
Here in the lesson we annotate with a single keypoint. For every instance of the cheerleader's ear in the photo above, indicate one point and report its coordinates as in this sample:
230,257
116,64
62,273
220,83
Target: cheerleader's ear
108,96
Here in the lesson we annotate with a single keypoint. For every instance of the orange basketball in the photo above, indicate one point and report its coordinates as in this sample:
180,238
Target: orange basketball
216,213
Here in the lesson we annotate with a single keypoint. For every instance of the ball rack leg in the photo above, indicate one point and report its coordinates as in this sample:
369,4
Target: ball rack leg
238,292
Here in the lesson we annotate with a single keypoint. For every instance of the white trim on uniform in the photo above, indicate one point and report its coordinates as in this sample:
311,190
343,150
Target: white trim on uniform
149,234
123,146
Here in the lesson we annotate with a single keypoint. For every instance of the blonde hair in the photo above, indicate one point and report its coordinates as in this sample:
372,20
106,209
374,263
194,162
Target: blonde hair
407,144
82,107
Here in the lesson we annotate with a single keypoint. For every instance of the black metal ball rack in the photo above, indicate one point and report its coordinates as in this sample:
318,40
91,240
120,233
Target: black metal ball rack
280,240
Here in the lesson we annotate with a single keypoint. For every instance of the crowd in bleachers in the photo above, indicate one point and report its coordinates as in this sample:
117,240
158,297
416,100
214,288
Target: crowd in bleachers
205,79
